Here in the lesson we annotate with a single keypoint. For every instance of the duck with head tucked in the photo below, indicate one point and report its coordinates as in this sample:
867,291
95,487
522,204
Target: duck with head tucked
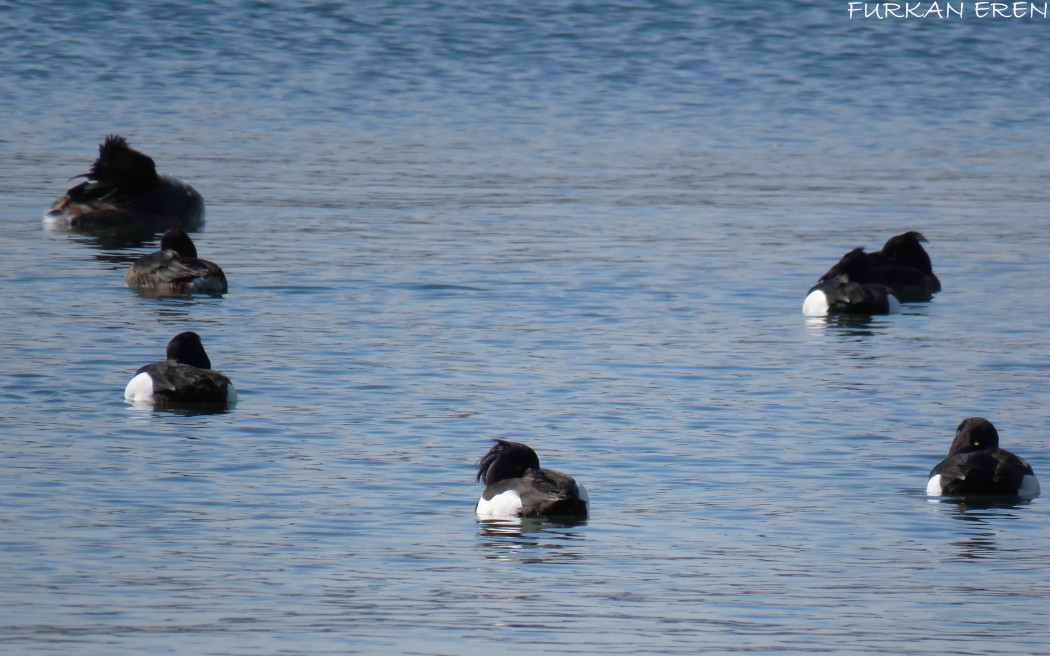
176,269
850,288
516,486
123,190
902,265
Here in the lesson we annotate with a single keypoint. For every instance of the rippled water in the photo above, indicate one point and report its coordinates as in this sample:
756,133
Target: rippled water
588,227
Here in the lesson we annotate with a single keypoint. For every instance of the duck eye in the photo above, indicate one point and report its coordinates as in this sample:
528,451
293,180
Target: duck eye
977,443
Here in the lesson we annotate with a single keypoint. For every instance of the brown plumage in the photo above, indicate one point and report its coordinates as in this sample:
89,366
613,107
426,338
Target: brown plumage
176,269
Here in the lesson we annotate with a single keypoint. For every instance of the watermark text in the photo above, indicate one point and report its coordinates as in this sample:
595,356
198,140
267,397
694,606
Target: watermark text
946,10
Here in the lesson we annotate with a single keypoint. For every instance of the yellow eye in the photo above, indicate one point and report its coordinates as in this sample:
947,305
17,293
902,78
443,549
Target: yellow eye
977,443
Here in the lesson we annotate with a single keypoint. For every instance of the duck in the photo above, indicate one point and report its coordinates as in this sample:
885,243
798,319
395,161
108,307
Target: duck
516,485
185,376
903,265
175,268
124,190
977,466
852,290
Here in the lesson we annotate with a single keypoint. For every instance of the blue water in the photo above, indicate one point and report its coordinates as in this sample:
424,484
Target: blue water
585,226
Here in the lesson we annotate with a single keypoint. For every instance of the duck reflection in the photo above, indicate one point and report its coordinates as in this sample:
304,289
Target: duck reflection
179,409
981,518
533,540
116,239
185,298
173,310
118,259
850,325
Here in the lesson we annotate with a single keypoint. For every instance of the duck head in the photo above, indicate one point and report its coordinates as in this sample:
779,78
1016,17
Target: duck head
505,460
186,348
974,434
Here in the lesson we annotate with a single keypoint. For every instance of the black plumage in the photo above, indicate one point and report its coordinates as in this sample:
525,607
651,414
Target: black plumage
186,376
902,264
853,289
977,466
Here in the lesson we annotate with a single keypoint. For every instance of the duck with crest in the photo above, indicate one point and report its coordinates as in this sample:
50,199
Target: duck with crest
124,190
516,485
903,265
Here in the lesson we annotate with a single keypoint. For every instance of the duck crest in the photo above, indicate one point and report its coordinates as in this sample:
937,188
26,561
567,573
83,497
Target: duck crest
505,460
119,165
906,250
186,348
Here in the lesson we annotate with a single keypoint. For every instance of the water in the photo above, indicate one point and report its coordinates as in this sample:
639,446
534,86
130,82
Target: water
588,227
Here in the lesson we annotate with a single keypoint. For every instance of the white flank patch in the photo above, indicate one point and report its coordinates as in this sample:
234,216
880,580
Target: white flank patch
502,505
231,395
933,488
895,305
1029,487
584,496
140,388
56,221
816,304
